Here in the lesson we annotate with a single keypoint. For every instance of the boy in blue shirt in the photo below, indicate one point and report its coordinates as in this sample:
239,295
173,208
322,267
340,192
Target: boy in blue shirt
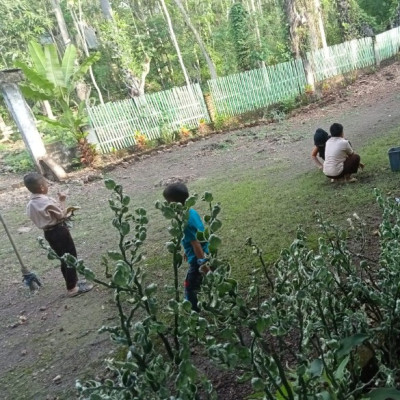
195,251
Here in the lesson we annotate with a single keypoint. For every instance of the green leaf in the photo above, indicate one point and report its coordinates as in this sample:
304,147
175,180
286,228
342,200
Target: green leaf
326,395
258,384
89,274
84,67
150,289
53,122
383,394
124,228
168,212
214,242
119,278
38,81
115,255
33,94
316,368
110,184
54,72
171,247
339,373
215,225
37,56
126,200
208,197
68,63
348,344
191,201
201,237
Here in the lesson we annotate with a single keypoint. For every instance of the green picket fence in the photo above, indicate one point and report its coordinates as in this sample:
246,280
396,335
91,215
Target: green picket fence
116,123
258,88
387,44
342,58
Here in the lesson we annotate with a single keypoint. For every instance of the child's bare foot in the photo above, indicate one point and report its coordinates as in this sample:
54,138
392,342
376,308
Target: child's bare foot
80,288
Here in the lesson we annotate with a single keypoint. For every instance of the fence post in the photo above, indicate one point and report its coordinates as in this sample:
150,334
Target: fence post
376,53
208,99
309,73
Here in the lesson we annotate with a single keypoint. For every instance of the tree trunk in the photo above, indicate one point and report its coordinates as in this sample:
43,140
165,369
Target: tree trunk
82,39
175,42
62,26
293,18
210,64
47,110
346,22
299,43
318,10
106,9
257,28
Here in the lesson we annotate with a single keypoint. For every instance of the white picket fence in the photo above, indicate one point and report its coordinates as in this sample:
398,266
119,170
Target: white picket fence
114,124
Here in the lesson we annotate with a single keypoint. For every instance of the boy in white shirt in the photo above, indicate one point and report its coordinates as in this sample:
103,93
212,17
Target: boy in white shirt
49,215
340,159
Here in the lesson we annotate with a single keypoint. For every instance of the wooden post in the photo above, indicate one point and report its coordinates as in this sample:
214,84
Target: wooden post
25,122
376,54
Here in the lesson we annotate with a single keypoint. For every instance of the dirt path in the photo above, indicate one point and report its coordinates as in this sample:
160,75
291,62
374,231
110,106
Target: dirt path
48,335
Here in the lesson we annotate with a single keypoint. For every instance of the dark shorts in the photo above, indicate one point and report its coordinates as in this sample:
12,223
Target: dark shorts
350,166
61,242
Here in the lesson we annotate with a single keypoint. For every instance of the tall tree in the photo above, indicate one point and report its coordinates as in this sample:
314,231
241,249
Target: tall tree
210,64
78,23
239,20
175,42
62,26
318,10
295,21
125,44
257,28
353,21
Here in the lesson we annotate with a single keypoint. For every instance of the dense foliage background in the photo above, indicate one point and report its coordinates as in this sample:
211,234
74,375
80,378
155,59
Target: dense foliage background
153,45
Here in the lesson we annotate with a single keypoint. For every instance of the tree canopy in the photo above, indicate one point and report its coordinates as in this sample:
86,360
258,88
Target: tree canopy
141,53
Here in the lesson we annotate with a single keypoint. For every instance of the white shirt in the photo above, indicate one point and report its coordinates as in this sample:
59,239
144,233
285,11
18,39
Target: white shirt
44,211
337,149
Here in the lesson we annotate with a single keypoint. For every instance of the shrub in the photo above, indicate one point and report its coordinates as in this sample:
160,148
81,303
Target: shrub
299,331
140,140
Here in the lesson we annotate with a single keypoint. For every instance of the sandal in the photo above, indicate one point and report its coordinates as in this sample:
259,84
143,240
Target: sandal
83,287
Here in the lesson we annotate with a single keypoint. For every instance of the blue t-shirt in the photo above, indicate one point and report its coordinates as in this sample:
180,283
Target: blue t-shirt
194,224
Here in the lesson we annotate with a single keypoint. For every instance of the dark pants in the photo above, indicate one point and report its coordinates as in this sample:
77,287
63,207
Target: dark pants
61,242
350,166
192,284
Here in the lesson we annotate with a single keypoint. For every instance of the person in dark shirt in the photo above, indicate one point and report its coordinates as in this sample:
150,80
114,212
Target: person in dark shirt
320,139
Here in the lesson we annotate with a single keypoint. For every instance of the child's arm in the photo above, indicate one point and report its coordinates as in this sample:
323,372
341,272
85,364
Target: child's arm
197,249
61,198
199,253
314,154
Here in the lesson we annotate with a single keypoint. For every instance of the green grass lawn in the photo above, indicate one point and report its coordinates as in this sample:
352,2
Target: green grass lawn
269,205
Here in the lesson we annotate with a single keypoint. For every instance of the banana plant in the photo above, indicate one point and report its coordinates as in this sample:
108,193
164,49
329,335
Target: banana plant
52,78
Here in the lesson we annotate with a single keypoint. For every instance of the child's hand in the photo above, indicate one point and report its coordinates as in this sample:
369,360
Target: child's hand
61,196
